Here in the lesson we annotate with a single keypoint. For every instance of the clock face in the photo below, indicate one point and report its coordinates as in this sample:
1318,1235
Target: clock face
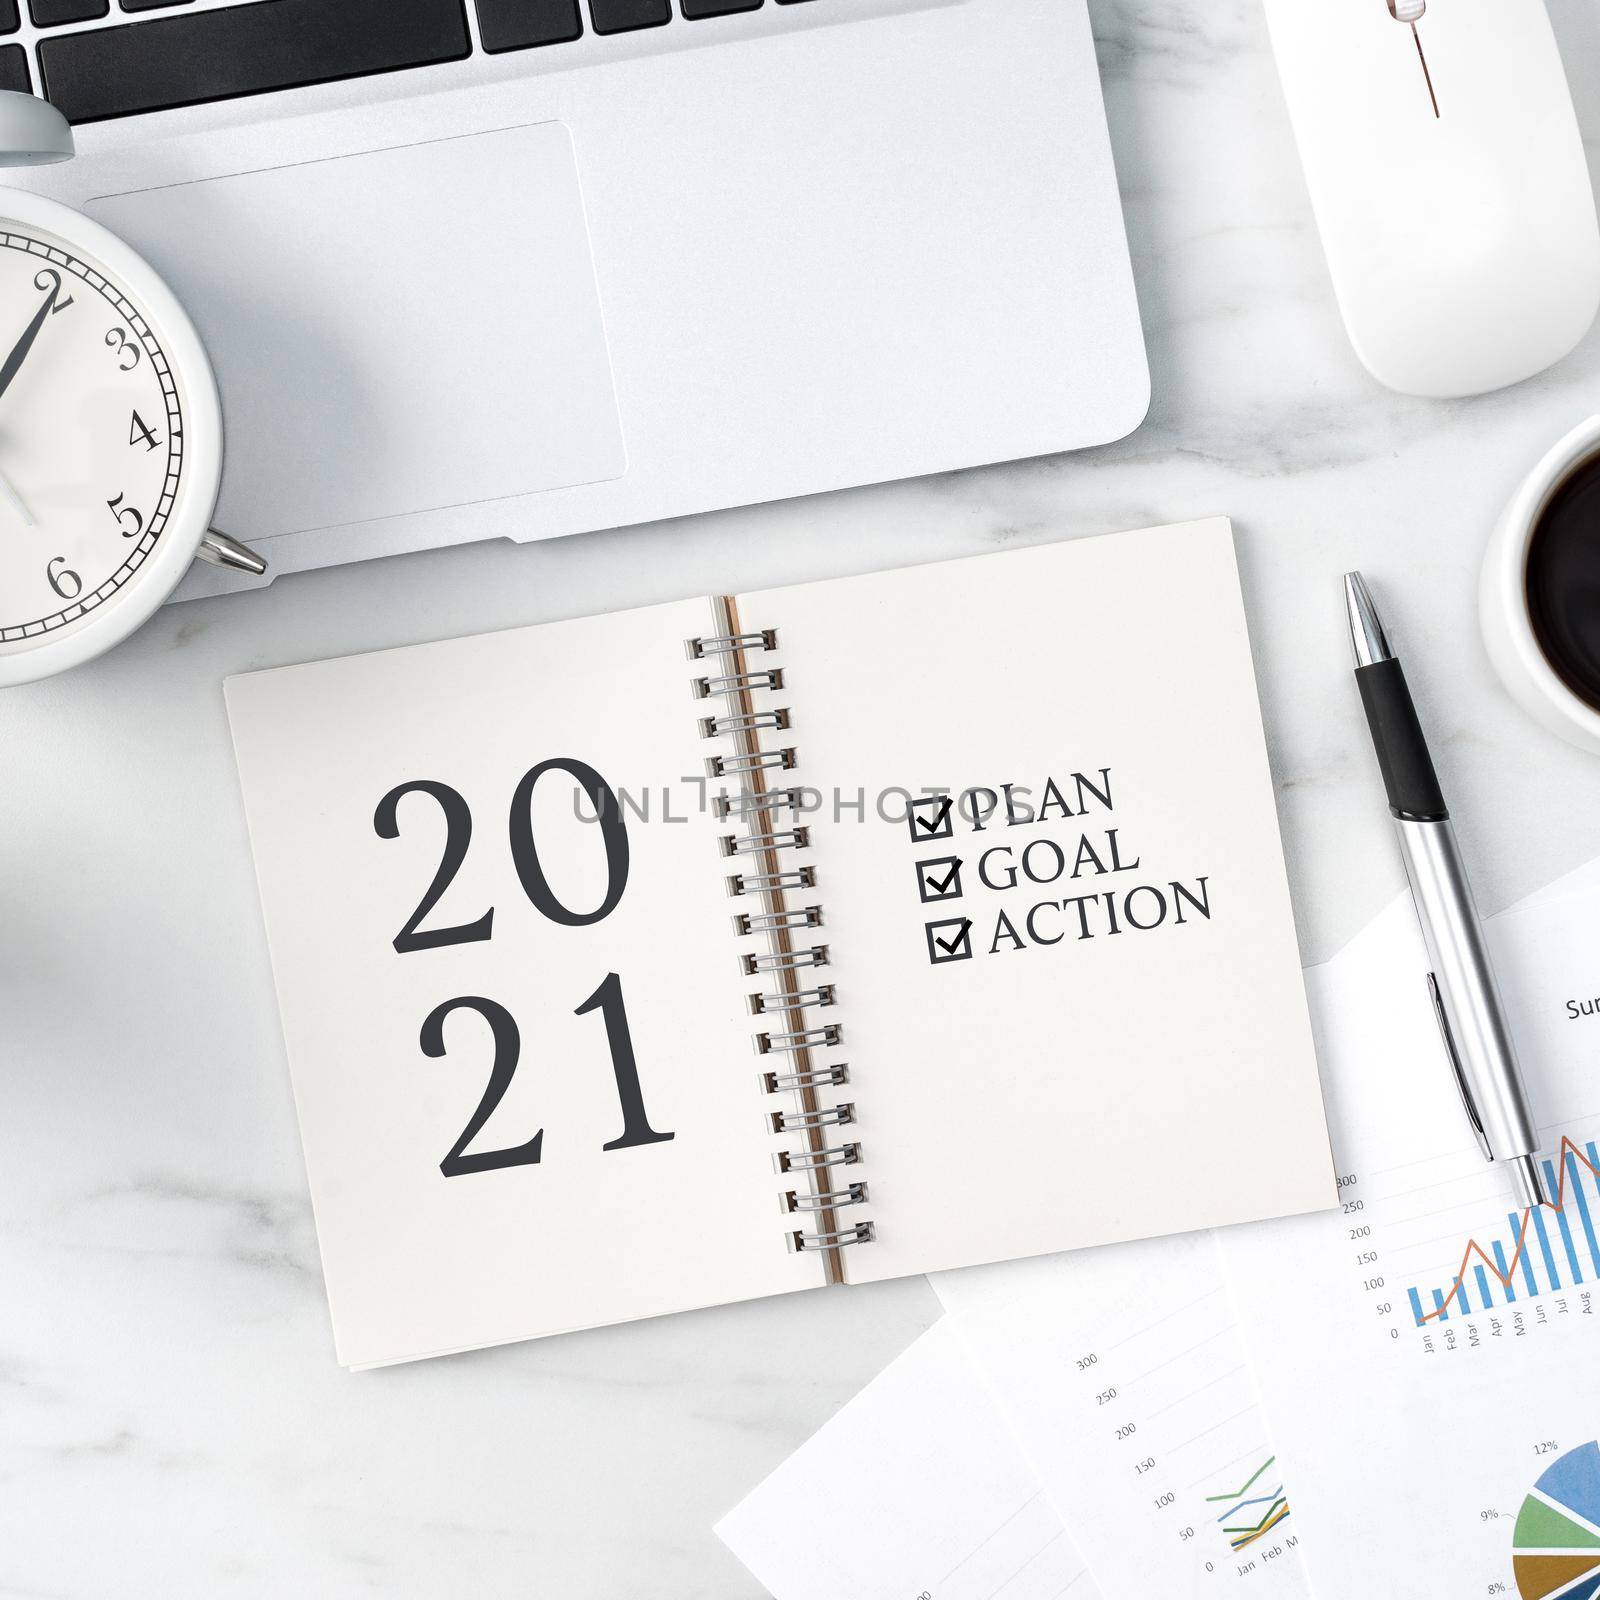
91,439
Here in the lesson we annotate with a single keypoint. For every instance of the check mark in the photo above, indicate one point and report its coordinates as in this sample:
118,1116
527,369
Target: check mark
950,940
939,879
931,817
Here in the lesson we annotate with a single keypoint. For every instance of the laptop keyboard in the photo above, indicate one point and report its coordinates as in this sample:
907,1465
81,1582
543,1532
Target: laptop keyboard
116,60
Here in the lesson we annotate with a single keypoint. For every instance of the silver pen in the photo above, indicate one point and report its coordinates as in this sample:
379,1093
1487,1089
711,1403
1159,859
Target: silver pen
1465,995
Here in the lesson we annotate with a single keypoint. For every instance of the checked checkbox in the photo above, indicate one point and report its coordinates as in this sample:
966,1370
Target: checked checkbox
931,817
939,879
950,940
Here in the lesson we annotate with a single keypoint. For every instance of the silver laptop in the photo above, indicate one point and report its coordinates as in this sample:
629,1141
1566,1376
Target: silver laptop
474,269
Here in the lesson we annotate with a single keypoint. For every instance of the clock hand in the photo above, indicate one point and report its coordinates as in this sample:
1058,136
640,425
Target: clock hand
9,494
20,350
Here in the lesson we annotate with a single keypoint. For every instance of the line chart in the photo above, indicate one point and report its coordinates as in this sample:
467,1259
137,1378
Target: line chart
1248,1485
1241,1538
1511,1261
1241,1534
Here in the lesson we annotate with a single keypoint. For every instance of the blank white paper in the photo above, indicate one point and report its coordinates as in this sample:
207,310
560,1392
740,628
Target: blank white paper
914,1491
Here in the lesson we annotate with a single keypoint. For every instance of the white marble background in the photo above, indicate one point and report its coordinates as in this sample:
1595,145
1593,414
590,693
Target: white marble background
172,1423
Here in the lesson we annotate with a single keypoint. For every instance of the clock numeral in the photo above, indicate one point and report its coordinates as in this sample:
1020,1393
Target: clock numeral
63,579
48,280
131,529
139,433
122,345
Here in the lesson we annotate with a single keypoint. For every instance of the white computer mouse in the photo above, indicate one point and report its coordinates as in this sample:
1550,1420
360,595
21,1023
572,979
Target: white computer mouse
1449,184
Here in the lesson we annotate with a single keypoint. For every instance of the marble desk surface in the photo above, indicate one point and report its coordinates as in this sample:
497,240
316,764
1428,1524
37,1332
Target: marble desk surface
172,1422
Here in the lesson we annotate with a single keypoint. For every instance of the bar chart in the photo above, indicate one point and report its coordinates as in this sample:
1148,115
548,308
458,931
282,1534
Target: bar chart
1539,1251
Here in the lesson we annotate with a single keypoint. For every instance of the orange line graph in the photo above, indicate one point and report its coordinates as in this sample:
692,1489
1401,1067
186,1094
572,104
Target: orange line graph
1250,1537
1476,1249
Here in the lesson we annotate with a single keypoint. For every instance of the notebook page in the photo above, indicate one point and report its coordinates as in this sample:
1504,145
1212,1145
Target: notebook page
1073,1007
914,1491
520,1057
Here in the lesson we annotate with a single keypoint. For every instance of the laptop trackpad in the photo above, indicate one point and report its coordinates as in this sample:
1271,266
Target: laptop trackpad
394,331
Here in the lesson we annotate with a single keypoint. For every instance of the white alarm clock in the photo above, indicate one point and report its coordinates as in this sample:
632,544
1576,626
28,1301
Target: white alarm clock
110,427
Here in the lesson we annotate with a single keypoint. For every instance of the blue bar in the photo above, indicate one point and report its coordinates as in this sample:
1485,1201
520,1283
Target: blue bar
1562,1224
1583,1209
1416,1307
1483,1288
1438,1305
1459,1290
1517,1232
1544,1244
1505,1277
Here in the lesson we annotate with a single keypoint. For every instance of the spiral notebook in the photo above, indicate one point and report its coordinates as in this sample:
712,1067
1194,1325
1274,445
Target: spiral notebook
818,935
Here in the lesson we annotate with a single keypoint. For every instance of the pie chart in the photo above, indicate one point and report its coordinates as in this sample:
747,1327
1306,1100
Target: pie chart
1556,1545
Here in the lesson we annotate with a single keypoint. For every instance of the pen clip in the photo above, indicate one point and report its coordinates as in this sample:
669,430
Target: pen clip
1455,1067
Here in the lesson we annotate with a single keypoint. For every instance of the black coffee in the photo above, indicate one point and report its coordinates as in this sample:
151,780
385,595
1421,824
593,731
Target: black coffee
1563,580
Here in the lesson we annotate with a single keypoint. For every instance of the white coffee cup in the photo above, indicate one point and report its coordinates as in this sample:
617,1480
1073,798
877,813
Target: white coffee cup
1503,598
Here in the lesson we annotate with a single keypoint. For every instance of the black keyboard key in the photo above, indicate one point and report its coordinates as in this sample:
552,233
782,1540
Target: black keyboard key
521,24
10,17
14,68
52,13
618,16
151,5
214,55
695,9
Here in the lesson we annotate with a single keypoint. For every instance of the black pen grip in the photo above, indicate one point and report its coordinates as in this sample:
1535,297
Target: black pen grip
1408,775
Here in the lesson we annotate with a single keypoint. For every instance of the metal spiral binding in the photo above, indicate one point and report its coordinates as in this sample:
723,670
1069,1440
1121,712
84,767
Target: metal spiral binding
823,995
753,810
744,805
853,1195
762,882
770,921
754,844
819,1078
